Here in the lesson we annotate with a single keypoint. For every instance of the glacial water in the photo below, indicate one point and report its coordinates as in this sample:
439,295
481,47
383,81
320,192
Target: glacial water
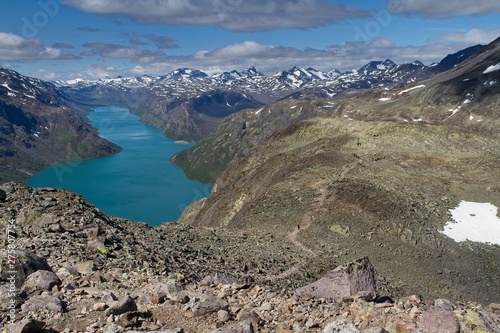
138,183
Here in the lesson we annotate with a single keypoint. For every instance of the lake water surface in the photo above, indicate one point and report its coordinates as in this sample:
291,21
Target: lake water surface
139,183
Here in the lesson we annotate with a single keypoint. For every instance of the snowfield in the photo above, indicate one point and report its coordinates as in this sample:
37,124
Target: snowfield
492,69
474,221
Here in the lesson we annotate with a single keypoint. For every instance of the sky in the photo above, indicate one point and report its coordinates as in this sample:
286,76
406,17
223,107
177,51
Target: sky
92,39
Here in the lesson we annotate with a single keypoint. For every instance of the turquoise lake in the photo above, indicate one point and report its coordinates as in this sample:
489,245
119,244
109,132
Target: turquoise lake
138,183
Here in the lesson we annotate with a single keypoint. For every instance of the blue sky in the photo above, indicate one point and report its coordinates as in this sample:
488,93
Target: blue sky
66,39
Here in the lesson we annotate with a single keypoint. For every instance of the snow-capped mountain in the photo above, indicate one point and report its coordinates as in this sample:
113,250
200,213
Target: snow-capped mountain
187,82
172,98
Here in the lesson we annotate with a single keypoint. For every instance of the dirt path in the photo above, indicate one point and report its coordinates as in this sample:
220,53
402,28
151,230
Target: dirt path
308,219
292,236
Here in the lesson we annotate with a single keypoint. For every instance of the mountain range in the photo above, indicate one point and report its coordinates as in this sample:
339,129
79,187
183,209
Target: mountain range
318,168
170,102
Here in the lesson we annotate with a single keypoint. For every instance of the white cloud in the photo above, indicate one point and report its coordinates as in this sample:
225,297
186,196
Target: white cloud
267,58
14,47
444,9
232,15
117,51
470,37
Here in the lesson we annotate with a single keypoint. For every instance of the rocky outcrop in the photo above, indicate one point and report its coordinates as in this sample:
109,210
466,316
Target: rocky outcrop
149,280
354,280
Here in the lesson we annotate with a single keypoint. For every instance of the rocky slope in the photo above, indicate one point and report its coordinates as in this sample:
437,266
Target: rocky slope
77,270
380,171
39,127
190,118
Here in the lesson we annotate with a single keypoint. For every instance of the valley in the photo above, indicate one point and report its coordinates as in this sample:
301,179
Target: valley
309,171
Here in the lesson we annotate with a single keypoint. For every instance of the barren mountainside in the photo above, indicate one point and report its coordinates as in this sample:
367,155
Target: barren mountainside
40,127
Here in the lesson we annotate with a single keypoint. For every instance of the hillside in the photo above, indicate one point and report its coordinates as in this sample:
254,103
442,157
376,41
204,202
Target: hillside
40,127
463,96
376,174
78,270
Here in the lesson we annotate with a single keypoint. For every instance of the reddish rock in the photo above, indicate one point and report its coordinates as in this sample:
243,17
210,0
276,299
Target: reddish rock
355,279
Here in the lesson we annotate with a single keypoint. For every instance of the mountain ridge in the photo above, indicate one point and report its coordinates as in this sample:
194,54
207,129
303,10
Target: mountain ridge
40,127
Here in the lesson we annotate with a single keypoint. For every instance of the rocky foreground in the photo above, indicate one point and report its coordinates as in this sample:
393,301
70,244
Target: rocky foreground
75,269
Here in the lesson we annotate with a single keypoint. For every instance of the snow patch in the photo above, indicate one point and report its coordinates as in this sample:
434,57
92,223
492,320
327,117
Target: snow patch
384,99
258,111
467,101
410,89
492,69
474,221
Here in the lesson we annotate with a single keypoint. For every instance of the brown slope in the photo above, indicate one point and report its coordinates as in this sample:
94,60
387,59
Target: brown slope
388,204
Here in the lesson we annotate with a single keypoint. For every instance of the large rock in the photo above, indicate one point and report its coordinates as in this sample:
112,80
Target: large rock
26,326
40,280
201,303
26,263
3,195
356,279
48,302
438,320
341,325
124,305
245,327
168,290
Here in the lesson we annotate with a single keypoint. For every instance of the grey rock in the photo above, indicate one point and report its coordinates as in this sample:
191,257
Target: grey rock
443,304
112,328
66,272
109,298
26,263
438,320
245,327
169,290
201,303
40,280
38,302
85,267
26,326
355,279
126,304
341,325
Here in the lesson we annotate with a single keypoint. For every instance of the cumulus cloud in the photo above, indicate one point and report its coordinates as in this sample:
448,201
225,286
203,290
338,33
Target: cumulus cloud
444,9
272,58
470,37
117,51
15,47
134,39
162,42
232,15
62,46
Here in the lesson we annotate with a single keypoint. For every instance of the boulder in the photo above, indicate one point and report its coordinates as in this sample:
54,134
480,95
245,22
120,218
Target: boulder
26,263
168,290
48,302
355,279
438,320
342,325
26,326
126,304
201,303
40,281
3,195
245,327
